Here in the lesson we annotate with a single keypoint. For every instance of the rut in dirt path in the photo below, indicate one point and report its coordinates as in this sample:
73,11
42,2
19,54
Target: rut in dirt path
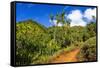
66,57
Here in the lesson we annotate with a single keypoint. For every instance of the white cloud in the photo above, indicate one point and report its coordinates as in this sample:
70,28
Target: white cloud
60,24
89,13
54,22
79,23
76,18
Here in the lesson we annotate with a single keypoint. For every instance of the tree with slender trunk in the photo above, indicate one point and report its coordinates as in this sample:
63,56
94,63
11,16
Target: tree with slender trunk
52,21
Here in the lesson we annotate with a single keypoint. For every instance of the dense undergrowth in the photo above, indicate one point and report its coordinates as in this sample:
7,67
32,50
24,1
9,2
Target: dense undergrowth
36,44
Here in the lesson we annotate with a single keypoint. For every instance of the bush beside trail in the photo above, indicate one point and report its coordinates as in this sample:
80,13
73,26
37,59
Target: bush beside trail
88,50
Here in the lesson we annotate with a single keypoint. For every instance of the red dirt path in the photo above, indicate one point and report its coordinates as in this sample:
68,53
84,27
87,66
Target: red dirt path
66,57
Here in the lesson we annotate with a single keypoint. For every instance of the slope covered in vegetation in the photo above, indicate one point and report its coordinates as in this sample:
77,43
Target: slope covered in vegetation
32,43
36,44
88,50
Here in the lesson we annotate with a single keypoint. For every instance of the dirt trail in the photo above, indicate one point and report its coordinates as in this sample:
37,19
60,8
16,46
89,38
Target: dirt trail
66,57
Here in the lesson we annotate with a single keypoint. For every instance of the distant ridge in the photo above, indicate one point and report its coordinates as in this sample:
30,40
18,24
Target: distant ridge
34,22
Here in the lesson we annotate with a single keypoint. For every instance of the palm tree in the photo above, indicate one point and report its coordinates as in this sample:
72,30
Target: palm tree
62,15
51,18
52,21
63,21
58,18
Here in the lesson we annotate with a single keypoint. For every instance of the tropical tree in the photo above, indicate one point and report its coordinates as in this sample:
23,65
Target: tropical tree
52,21
60,19
51,18
57,18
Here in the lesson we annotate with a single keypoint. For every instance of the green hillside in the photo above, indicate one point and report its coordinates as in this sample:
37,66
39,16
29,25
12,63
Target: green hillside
32,42
36,44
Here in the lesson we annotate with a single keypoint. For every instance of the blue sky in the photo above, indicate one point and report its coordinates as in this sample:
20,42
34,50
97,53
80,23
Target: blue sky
40,12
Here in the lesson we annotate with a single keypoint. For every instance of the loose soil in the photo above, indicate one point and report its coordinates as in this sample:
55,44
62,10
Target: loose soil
66,57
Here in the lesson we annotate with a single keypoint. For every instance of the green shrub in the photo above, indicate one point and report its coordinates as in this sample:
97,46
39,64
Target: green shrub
88,50
36,43
33,43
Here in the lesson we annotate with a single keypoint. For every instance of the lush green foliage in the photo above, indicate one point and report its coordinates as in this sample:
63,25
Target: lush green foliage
35,44
88,51
91,29
32,41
